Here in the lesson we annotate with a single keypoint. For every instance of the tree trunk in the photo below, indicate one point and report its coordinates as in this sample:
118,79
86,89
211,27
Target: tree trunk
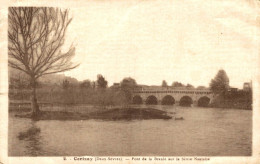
34,104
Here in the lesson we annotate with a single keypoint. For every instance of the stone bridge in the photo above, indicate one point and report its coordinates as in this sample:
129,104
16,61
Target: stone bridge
171,96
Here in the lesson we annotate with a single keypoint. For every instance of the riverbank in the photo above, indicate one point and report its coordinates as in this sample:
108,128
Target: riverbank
109,114
233,100
232,105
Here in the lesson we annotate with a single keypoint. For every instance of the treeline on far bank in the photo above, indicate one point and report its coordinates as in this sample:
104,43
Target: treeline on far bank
96,93
110,96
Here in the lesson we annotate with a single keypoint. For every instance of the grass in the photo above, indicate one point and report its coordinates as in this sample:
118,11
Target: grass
123,113
130,113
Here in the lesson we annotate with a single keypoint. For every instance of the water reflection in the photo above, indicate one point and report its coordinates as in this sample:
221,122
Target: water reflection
32,139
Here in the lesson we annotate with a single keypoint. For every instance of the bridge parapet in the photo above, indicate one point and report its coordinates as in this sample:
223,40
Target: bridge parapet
175,91
177,94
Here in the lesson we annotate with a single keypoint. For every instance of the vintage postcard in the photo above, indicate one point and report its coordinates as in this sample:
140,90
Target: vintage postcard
129,81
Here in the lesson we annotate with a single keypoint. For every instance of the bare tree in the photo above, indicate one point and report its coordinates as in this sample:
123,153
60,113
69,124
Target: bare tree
35,38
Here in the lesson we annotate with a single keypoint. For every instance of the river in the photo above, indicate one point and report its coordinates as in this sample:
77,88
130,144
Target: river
203,132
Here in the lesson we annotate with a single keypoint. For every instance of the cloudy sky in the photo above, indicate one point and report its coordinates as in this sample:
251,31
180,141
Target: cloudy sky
173,40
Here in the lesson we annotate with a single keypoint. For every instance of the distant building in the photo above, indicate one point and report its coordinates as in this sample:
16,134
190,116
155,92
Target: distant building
247,86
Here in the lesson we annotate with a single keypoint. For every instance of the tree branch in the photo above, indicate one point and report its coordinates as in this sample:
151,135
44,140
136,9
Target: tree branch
36,35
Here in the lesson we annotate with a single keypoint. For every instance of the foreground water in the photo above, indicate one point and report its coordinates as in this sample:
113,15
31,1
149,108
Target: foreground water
203,132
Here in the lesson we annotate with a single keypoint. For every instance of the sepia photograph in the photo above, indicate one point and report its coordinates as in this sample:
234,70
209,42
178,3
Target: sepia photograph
104,80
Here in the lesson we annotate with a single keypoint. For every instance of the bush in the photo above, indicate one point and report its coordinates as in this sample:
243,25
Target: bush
233,99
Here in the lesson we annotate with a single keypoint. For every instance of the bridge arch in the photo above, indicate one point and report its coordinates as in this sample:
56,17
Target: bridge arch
203,101
151,100
168,100
137,100
186,101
